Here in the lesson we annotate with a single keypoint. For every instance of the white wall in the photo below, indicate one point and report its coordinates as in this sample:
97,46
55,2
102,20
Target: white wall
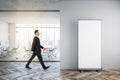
71,11
109,12
3,32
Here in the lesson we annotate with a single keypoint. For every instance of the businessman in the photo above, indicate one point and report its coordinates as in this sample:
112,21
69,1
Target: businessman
36,51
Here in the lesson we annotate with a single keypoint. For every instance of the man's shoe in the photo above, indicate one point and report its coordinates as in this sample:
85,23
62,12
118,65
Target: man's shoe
46,67
28,67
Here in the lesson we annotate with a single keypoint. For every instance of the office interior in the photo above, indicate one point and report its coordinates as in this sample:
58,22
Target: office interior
18,33
59,22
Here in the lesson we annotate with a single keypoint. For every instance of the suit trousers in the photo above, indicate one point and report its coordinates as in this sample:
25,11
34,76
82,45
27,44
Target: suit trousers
39,58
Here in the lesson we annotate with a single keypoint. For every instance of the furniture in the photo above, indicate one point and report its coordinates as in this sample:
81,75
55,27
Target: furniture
1,50
50,52
89,45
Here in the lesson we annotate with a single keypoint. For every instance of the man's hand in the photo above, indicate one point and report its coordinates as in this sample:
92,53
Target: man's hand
44,48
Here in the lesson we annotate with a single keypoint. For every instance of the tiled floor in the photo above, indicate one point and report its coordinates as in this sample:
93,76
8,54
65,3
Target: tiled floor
16,71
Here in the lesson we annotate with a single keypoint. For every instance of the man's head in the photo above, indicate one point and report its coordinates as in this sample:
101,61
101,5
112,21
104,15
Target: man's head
36,32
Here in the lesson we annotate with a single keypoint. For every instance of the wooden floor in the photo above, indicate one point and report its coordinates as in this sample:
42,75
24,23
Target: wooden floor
16,71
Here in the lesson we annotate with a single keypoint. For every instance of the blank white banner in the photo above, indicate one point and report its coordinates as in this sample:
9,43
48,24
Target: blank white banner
89,35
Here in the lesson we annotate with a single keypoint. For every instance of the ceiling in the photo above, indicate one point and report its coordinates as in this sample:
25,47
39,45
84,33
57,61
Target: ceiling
34,4
22,17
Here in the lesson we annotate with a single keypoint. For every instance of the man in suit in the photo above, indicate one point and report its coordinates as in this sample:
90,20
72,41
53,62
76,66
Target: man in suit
36,51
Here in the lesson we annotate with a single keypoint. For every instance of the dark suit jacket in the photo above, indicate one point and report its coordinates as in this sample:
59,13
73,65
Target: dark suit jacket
36,46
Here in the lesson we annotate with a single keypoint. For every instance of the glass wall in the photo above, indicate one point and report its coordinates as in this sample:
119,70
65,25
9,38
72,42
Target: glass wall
50,39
